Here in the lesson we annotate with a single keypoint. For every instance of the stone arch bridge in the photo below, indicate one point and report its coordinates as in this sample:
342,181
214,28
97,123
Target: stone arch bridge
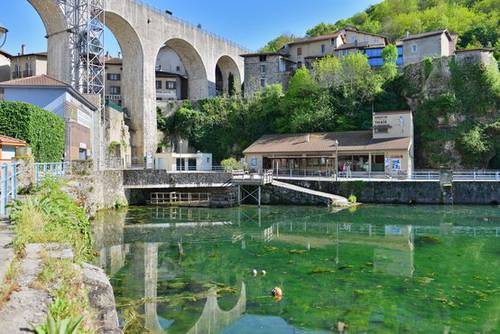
141,32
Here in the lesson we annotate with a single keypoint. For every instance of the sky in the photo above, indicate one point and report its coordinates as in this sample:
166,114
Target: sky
249,23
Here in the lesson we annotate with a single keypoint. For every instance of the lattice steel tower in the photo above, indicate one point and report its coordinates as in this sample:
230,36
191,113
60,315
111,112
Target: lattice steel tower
86,22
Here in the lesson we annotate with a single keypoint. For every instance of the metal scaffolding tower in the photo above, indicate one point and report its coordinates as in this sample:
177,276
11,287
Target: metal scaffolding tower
86,22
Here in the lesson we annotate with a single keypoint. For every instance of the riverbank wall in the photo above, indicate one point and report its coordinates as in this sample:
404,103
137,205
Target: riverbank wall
396,192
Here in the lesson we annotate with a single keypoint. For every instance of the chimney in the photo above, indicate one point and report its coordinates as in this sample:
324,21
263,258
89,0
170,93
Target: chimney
23,48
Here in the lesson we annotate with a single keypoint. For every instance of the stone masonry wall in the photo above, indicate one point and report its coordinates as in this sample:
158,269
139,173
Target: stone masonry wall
409,191
272,195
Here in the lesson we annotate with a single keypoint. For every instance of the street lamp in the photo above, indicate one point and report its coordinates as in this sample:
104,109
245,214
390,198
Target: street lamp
3,35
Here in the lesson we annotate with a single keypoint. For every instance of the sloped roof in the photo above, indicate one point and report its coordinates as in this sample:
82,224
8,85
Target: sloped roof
35,81
428,34
316,38
45,81
11,141
325,142
37,54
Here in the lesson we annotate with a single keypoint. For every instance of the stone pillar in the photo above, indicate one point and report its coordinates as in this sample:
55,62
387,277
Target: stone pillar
59,56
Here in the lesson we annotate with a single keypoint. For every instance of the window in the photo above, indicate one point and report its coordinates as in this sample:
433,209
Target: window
114,76
299,51
158,84
299,64
262,83
263,69
281,66
171,84
115,90
178,68
323,48
262,58
332,41
414,48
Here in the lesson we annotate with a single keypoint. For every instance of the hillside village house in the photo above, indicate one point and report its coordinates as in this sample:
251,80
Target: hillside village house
63,100
387,148
26,65
8,146
267,68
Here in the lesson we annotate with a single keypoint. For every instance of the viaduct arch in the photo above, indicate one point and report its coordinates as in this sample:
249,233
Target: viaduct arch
141,32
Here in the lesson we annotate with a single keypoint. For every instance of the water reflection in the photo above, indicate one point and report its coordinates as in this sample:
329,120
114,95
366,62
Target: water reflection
150,244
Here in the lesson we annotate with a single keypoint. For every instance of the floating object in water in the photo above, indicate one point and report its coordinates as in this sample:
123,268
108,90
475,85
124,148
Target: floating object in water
341,326
263,272
254,272
277,293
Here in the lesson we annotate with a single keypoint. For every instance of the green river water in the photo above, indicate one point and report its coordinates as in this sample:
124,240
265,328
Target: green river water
376,269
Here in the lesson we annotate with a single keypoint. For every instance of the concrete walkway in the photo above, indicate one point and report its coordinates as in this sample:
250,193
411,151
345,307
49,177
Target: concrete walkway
6,251
335,199
27,306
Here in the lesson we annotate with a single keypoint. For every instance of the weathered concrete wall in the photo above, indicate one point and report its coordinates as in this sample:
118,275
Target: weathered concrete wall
409,191
272,195
163,179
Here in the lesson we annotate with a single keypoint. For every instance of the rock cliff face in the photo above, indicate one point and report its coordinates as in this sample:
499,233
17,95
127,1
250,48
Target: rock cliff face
456,111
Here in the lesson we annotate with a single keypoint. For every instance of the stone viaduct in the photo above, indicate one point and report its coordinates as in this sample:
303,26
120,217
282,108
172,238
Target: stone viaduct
141,32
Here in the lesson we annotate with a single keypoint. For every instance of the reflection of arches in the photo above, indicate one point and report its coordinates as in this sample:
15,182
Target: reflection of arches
229,81
213,319
195,68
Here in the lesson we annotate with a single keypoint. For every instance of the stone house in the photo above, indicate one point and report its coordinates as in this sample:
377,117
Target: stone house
438,43
268,68
26,65
63,100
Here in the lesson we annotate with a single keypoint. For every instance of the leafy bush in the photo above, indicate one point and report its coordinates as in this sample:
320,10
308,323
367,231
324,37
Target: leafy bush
230,164
352,199
50,215
41,129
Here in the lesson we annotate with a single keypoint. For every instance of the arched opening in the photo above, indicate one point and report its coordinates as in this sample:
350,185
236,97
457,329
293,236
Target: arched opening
125,69
228,78
178,61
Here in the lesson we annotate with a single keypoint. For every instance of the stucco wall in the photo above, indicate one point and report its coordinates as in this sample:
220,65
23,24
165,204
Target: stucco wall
37,96
433,46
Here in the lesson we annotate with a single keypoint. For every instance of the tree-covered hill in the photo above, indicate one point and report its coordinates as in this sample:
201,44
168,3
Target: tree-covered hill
476,21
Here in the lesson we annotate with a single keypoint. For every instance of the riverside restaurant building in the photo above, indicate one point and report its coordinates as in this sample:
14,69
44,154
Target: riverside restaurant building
386,149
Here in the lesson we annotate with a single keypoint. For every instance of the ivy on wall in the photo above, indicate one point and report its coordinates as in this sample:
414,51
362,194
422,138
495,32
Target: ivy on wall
41,129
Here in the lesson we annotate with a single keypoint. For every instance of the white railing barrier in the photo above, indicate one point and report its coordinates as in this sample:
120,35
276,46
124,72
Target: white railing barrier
420,175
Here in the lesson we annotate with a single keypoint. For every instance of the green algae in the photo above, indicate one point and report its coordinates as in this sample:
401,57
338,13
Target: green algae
375,284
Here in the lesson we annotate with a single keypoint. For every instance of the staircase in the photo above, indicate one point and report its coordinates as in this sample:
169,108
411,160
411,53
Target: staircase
335,200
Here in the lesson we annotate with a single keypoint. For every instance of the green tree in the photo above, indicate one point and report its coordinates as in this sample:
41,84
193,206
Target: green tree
321,29
277,43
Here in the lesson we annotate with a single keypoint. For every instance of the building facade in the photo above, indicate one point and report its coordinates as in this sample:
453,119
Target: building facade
260,68
387,149
63,100
28,65
429,44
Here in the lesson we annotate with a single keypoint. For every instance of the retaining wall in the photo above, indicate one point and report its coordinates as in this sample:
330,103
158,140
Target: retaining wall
404,192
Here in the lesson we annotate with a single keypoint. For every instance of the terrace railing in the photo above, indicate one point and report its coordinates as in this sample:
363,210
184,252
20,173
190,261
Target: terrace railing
50,169
418,175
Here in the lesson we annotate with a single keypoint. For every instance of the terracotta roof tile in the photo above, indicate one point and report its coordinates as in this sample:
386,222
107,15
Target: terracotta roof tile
11,140
325,142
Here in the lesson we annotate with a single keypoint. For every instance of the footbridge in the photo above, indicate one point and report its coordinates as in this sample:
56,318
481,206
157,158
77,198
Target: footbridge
142,31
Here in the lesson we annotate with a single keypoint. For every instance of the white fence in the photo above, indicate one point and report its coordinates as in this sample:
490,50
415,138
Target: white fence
424,175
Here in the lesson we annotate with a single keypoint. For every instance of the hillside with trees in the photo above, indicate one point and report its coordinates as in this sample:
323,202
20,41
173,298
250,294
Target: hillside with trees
476,21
